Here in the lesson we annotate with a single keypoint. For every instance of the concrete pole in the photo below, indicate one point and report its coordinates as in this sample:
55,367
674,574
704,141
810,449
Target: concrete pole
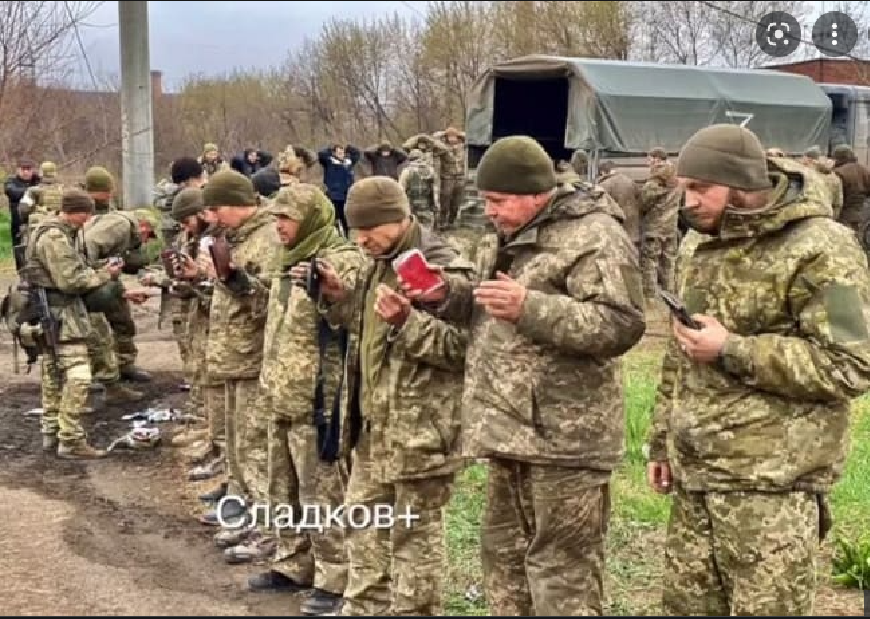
137,131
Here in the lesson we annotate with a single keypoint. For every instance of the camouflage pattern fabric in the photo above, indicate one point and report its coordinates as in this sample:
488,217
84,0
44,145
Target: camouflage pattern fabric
397,571
660,200
101,350
627,195
409,379
37,204
452,195
64,400
855,179
548,390
54,262
741,554
241,410
792,288
418,180
299,478
238,319
834,186
530,568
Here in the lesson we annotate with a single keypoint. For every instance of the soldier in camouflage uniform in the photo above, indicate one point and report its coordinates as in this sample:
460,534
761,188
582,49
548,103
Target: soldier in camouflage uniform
401,401
660,199
558,300
186,172
211,161
234,351
419,181
300,345
750,426
40,201
116,233
814,160
856,187
54,263
111,234
452,176
438,157
626,194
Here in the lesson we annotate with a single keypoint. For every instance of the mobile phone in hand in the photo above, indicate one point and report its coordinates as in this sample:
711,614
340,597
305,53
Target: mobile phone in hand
414,270
678,309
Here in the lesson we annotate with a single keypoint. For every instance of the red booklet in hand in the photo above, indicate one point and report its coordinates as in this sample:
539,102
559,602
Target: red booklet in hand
412,267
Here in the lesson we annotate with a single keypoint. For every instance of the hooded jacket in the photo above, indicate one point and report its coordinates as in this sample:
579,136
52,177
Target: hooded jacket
791,287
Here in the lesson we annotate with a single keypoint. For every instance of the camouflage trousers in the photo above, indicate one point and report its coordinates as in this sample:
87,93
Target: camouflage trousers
124,332
207,397
426,211
741,553
452,195
246,439
658,257
65,384
299,480
400,570
542,540
101,350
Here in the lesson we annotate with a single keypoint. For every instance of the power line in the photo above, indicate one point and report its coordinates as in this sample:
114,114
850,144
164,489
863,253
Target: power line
78,36
787,34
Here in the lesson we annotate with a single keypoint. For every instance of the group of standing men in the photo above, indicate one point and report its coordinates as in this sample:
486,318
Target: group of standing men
355,393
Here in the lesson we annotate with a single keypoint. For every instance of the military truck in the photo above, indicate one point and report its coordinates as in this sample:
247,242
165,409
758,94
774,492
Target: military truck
620,110
850,118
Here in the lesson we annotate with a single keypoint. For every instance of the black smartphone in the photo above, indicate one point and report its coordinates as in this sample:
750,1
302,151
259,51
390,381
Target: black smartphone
679,310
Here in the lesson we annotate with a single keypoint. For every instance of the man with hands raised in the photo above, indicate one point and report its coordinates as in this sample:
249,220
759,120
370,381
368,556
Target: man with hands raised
558,301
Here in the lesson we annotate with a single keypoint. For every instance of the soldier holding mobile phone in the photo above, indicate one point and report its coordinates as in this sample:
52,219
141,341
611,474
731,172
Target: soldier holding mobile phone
749,430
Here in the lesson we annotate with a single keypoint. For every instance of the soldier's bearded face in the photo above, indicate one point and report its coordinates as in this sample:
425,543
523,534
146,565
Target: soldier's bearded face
704,204
508,212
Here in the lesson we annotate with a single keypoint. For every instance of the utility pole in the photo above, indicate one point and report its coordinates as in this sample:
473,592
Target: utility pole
137,133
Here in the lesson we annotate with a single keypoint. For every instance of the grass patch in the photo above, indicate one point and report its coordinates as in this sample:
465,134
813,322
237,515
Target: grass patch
637,527
5,235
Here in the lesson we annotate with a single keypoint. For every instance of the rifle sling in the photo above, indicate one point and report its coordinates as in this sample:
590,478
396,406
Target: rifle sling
328,430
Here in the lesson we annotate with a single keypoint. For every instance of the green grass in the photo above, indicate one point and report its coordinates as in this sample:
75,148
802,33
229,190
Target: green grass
639,518
5,235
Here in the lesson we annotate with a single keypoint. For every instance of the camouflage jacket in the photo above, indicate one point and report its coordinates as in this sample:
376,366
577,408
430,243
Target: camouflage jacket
855,179
292,352
44,199
547,390
791,286
410,406
55,262
110,234
238,315
454,166
624,190
418,180
835,189
660,199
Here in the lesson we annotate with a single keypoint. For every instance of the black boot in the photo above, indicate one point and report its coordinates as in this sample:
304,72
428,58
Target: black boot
134,374
274,581
320,603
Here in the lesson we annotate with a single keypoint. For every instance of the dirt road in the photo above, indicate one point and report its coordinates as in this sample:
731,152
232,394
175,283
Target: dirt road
116,536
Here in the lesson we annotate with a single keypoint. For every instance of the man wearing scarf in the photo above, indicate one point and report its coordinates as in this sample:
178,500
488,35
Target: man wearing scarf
300,383
403,379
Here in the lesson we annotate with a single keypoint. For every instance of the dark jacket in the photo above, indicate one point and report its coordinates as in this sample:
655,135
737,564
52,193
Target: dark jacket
15,188
338,176
386,166
240,163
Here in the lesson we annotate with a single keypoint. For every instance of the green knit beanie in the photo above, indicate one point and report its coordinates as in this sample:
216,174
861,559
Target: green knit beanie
188,202
516,165
228,188
375,201
99,180
727,155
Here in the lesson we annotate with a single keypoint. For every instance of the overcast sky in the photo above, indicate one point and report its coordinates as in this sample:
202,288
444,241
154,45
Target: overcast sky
213,37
